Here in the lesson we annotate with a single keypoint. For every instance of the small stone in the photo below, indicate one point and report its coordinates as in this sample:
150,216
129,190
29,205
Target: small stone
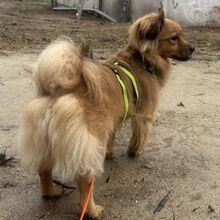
180,104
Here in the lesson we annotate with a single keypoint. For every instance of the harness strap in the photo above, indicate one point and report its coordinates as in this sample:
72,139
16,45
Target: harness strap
131,77
123,85
152,71
124,92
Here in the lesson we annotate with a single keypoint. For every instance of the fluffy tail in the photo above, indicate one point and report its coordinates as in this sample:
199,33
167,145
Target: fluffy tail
62,68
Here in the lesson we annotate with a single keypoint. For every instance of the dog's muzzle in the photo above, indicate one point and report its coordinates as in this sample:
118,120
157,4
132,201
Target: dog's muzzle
190,49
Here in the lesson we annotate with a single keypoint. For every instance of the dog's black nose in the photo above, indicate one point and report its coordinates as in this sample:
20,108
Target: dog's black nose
191,48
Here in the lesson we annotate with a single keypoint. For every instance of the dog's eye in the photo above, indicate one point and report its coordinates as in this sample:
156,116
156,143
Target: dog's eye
174,39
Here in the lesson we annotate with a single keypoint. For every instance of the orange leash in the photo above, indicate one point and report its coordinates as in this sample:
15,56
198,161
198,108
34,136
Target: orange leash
87,199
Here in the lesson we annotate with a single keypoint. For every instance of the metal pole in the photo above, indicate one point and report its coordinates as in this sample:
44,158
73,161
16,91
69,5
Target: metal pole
80,9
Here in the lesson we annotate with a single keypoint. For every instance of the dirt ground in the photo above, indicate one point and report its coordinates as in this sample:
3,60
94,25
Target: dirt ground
185,141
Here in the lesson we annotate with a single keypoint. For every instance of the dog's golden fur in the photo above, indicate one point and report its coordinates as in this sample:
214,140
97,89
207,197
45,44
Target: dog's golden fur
71,123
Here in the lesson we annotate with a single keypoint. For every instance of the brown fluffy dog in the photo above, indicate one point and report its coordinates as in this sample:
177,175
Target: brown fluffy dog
71,124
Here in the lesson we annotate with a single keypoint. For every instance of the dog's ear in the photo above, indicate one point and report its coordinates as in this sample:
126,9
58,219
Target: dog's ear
151,28
144,33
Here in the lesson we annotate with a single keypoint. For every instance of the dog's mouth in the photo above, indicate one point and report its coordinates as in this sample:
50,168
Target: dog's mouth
185,58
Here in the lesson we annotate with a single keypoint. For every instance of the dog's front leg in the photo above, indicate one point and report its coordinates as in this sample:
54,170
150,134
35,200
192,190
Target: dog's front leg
110,146
93,210
141,127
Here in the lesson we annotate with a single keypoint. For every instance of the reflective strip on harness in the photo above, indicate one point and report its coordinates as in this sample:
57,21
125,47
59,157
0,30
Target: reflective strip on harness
131,77
123,85
125,95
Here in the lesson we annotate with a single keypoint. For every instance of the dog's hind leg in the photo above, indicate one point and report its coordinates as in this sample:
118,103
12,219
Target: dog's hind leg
48,188
33,146
141,129
92,210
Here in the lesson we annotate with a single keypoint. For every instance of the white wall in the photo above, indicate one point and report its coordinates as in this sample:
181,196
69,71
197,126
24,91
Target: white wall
74,3
186,12
193,12
141,7
113,8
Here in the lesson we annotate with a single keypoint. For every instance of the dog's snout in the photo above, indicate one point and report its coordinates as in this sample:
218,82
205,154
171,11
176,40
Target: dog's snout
191,48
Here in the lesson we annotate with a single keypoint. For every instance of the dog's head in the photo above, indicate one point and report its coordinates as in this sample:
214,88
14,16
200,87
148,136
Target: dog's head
154,33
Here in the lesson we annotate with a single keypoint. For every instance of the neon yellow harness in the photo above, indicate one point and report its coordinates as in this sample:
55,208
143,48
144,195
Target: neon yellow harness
124,88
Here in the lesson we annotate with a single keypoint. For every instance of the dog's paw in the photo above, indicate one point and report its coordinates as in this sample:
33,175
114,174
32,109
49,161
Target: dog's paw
132,153
109,156
97,212
53,192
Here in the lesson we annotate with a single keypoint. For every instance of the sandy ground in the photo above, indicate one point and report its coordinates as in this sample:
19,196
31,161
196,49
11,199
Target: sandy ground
184,145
